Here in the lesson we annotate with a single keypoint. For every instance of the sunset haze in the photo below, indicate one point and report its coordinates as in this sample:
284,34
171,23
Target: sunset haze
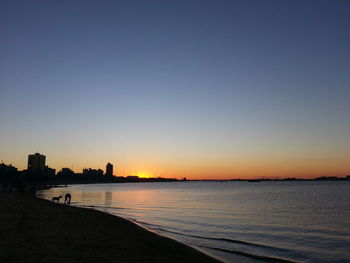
195,89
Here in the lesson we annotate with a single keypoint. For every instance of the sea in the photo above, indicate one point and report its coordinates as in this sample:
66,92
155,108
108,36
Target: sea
233,221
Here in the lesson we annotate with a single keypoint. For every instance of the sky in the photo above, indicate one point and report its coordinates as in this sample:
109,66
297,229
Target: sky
201,89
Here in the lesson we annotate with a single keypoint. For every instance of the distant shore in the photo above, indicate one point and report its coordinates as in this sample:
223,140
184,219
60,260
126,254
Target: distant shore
36,230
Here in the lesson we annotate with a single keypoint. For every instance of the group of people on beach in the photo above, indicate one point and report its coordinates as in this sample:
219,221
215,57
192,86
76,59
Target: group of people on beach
67,198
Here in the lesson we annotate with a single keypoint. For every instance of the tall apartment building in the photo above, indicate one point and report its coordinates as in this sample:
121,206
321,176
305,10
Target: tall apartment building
109,169
36,162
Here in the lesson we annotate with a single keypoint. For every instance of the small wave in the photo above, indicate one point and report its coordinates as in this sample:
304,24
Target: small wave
99,206
262,258
149,224
156,227
223,239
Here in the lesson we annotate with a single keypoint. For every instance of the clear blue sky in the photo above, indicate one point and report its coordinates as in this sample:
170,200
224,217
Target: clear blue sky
209,89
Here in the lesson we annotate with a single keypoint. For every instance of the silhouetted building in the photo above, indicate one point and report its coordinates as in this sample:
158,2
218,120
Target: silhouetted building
7,169
132,177
65,172
36,162
50,171
93,172
109,169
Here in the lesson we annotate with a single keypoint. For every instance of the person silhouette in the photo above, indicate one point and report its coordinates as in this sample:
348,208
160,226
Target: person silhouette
67,198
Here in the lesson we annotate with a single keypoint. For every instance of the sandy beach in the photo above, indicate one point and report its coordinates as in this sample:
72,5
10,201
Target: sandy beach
35,230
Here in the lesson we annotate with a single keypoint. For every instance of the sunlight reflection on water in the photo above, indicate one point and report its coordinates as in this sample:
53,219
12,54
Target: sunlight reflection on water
296,221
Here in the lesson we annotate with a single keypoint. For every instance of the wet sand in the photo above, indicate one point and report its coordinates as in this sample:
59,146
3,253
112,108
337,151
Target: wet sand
35,230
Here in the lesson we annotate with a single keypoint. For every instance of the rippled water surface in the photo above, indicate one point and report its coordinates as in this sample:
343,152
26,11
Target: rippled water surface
234,221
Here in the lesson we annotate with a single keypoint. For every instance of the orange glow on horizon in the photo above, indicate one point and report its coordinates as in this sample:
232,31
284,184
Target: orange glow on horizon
201,167
143,175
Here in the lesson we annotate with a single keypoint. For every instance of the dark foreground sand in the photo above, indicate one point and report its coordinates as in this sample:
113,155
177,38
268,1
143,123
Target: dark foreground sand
35,230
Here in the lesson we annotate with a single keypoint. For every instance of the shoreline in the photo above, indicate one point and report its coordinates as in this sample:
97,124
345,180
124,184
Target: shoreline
141,226
35,229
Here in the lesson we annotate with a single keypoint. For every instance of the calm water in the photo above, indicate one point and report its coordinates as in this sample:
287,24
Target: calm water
234,221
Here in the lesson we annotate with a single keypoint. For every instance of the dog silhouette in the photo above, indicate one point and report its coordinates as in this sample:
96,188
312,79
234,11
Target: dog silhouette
56,198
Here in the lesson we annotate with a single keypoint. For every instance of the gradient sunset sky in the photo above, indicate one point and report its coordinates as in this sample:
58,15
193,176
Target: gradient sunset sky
202,89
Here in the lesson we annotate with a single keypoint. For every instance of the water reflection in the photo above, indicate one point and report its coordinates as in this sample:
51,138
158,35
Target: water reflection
299,221
108,198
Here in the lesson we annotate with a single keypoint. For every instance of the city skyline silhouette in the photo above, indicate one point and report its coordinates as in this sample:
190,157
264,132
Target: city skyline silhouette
209,90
